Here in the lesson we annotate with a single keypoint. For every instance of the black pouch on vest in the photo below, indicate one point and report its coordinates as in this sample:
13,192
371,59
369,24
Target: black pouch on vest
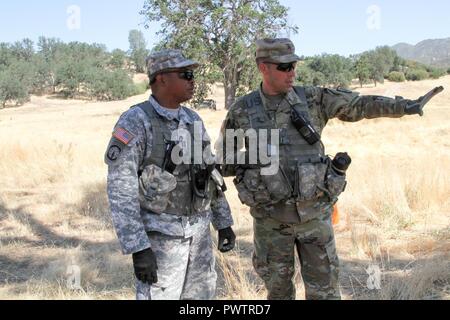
305,128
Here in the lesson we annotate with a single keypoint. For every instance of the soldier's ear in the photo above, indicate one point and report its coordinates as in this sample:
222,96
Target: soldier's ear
262,68
160,78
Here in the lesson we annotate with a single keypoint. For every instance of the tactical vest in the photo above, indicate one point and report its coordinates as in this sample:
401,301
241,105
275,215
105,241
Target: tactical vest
181,201
293,149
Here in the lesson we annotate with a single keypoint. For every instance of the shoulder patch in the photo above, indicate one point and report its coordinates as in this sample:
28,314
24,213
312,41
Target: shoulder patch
123,135
113,152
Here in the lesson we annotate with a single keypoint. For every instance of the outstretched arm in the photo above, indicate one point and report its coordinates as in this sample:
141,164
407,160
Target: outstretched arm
350,106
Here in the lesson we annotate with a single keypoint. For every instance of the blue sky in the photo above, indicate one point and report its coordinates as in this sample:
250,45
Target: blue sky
343,27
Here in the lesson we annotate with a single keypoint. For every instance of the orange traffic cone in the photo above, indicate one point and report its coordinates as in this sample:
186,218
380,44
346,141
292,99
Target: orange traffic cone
335,216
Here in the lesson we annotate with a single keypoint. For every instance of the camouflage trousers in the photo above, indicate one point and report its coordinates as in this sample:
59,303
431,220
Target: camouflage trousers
274,257
186,268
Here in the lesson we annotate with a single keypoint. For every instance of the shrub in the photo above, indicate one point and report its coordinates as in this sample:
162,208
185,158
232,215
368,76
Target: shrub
109,85
436,73
397,76
120,85
118,59
416,74
12,89
140,88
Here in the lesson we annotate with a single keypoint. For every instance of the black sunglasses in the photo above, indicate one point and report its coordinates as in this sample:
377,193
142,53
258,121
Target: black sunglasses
187,75
284,67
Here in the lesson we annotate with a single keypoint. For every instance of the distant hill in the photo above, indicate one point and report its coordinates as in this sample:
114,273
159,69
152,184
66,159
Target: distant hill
431,52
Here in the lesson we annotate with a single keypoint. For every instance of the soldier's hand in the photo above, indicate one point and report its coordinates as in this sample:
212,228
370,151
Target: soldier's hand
227,240
416,106
145,266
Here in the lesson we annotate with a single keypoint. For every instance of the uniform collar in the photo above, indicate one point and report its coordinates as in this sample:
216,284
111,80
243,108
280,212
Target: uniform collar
265,98
291,97
183,115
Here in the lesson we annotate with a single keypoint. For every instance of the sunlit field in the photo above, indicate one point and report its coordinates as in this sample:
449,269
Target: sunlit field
395,213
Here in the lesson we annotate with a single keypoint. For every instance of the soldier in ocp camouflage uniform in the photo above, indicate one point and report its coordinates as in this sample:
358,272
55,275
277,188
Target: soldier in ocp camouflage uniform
161,209
292,209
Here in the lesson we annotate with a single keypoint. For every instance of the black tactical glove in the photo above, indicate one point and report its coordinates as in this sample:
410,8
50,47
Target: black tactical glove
226,239
416,106
145,266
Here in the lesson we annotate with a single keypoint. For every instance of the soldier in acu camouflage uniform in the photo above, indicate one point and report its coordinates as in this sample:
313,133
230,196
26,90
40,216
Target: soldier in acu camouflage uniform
162,209
292,209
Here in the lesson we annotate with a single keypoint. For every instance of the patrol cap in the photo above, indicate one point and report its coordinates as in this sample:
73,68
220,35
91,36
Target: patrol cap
280,50
167,60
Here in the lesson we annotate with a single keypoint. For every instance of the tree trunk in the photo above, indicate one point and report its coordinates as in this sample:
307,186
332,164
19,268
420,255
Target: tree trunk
230,87
52,77
230,95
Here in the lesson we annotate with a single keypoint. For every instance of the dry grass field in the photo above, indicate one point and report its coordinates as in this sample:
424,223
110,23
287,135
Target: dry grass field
395,213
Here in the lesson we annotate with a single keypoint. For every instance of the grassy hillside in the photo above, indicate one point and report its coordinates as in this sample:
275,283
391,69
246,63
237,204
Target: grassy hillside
395,212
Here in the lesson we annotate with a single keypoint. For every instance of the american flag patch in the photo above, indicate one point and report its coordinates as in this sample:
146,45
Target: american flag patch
123,135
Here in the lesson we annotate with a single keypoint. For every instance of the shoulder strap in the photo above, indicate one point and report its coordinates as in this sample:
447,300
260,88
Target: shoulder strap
152,115
301,93
256,111
190,113
193,117
158,143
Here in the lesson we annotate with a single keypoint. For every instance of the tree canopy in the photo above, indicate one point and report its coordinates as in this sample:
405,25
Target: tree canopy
220,34
72,69
138,50
371,66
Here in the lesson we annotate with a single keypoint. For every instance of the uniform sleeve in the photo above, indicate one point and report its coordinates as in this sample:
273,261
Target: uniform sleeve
221,212
350,106
124,155
228,152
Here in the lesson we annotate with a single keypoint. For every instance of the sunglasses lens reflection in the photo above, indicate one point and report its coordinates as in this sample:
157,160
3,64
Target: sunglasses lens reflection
286,67
187,75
